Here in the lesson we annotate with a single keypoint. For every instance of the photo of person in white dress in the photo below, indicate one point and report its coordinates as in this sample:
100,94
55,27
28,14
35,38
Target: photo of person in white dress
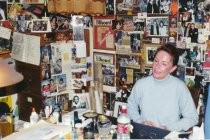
162,29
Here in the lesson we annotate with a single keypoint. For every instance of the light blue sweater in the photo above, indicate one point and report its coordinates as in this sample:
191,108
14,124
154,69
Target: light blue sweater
163,102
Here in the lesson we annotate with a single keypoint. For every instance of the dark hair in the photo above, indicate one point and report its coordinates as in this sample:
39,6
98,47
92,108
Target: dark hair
171,50
61,79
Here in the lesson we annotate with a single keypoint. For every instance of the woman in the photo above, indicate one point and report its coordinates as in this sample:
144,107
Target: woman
162,29
162,100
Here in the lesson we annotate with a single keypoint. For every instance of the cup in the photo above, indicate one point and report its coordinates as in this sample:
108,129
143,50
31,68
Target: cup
104,129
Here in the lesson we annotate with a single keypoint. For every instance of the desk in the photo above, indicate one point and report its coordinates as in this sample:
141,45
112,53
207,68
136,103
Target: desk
5,54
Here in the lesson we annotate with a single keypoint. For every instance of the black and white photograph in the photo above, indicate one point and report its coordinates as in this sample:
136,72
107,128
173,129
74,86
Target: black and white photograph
109,7
165,6
24,23
153,6
157,26
40,25
3,10
80,101
56,63
184,57
139,25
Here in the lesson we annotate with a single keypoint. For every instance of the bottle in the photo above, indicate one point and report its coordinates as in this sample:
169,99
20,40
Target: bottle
123,124
34,117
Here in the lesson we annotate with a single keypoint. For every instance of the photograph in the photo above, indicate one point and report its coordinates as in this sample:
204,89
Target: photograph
184,57
62,82
63,101
103,33
139,25
135,42
132,61
109,7
150,50
103,58
108,80
108,103
124,7
45,88
80,101
40,25
157,26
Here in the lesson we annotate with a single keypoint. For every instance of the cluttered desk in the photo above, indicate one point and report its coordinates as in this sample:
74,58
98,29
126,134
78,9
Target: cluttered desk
85,124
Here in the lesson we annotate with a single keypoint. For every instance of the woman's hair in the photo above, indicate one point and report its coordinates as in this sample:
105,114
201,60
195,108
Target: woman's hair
171,50
160,23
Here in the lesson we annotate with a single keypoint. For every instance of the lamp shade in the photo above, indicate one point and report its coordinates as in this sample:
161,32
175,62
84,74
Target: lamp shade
8,75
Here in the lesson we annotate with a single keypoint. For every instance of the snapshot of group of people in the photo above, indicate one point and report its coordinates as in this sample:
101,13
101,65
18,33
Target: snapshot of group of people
158,27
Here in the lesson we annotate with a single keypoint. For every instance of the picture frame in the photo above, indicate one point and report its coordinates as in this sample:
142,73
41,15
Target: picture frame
150,50
103,33
117,107
80,101
40,25
103,58
157,26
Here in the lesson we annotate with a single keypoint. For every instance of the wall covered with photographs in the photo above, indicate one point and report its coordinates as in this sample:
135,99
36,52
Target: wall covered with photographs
115,47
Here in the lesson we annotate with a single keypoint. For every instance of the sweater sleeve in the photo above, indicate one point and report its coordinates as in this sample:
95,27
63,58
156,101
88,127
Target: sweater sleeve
133,104
187,111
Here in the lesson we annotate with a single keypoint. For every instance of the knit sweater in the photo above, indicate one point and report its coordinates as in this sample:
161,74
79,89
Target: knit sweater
166,102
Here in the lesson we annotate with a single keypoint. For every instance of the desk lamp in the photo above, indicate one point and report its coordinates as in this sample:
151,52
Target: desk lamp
8,77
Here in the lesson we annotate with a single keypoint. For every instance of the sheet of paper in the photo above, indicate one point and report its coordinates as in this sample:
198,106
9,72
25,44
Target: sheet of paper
41,130
26,48
80,49
5,32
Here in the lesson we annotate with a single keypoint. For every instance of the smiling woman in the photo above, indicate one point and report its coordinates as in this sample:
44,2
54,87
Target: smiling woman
157,89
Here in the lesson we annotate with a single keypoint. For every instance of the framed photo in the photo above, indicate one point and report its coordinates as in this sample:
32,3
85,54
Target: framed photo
80,100
103,58
40,25
150,50
157,26
103,33
117,108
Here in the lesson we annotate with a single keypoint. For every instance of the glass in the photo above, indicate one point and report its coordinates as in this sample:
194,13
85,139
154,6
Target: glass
104,129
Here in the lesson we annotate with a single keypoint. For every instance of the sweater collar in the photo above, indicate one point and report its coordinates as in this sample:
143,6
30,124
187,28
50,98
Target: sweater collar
162,80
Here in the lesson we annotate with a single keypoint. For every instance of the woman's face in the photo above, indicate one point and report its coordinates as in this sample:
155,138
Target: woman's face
162,65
